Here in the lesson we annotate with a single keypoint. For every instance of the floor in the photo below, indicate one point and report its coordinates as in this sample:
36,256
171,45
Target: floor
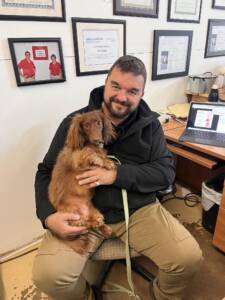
15,275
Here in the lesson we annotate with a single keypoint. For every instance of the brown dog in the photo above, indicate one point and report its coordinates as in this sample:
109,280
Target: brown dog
82,151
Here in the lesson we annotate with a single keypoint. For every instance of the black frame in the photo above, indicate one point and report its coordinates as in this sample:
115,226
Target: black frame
120,10
183,20
217,6
79,71
210,38
26,41
32,17
155,57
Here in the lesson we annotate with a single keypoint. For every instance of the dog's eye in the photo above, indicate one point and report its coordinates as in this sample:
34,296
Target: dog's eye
86,125
98,123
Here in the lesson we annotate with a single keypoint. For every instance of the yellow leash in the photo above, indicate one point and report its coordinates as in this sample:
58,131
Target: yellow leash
116,287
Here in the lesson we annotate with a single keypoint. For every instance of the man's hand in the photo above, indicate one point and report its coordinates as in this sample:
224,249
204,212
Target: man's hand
58,224
97,176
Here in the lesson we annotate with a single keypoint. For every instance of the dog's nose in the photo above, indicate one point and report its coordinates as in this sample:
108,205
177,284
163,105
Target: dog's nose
98,142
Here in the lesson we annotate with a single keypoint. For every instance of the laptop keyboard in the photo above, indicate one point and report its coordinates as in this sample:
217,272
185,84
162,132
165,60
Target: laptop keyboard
204,137
201,134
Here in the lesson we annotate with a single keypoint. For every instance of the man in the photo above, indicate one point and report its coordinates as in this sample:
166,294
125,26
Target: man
146,168
55,68
27,68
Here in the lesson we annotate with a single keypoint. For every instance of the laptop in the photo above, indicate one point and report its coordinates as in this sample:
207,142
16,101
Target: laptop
205,124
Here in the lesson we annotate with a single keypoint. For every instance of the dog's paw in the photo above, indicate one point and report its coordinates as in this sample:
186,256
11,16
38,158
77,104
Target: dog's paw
96,221
99,219
76,223
105,230
109,165
95,161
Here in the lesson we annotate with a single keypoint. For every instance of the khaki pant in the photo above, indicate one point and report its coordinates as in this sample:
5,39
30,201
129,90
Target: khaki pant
153,231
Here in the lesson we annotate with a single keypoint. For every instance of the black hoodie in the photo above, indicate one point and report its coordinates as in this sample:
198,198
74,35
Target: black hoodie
146,164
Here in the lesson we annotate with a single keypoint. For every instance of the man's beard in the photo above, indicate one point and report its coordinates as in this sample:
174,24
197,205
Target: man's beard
115,113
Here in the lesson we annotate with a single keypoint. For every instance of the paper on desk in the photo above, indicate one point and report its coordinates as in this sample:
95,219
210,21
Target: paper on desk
179,110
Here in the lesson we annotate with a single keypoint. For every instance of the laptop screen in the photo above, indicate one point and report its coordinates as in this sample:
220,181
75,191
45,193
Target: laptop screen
207,117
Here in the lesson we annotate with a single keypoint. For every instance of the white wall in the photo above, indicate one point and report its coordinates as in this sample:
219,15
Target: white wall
29,115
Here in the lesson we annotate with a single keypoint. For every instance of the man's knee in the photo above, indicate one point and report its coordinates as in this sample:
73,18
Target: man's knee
49,276
188,258
55,278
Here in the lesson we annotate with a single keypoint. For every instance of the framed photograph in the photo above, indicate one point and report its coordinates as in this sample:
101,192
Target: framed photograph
37,60
171,53
215,42
97,44
219,4
136,8
33,10
188,11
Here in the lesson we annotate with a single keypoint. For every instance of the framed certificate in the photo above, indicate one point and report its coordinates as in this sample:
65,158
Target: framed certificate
97,44
184,11
37,60
33,10
219,4
136,8
171,53
215,43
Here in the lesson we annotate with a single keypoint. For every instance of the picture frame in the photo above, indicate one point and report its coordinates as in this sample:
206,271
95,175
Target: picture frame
35,10
37,60
136,8
215,44
185,11
218,4
97,44
171,53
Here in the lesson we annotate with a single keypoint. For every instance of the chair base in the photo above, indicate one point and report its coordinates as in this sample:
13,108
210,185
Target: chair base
136,267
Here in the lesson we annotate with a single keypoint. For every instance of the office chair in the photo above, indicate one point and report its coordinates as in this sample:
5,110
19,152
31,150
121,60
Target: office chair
113,249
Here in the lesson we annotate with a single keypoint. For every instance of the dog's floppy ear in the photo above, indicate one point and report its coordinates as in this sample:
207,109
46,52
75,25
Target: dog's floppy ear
108,131
75,137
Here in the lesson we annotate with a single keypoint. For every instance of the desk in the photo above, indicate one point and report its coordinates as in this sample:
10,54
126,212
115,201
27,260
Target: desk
196,163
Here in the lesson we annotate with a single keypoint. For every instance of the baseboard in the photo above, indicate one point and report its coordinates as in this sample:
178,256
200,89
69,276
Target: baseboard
20,251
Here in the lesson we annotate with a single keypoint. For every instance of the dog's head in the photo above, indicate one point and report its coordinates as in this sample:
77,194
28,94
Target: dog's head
90,128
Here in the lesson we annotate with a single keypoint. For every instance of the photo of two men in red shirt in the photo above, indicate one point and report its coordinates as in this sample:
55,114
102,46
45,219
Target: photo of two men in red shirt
27,68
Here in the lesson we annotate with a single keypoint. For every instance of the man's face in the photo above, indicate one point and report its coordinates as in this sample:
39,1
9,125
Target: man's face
27,54
122,93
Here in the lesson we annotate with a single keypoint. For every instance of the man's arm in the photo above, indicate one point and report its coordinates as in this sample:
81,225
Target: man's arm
20,68
155,175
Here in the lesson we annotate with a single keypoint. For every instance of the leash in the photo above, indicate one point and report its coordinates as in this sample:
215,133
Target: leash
116,287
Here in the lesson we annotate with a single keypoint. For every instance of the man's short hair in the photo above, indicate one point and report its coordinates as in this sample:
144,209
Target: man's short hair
27,52
130,64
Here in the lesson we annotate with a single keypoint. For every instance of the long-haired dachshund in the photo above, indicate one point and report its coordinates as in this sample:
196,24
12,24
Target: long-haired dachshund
82,151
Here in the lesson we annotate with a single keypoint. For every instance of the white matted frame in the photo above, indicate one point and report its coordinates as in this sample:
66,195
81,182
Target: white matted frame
218,4
33,10
136,8
215,42
97,44
171,53
188,11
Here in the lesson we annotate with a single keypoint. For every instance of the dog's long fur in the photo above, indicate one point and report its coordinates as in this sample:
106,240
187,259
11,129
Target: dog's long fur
81,152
